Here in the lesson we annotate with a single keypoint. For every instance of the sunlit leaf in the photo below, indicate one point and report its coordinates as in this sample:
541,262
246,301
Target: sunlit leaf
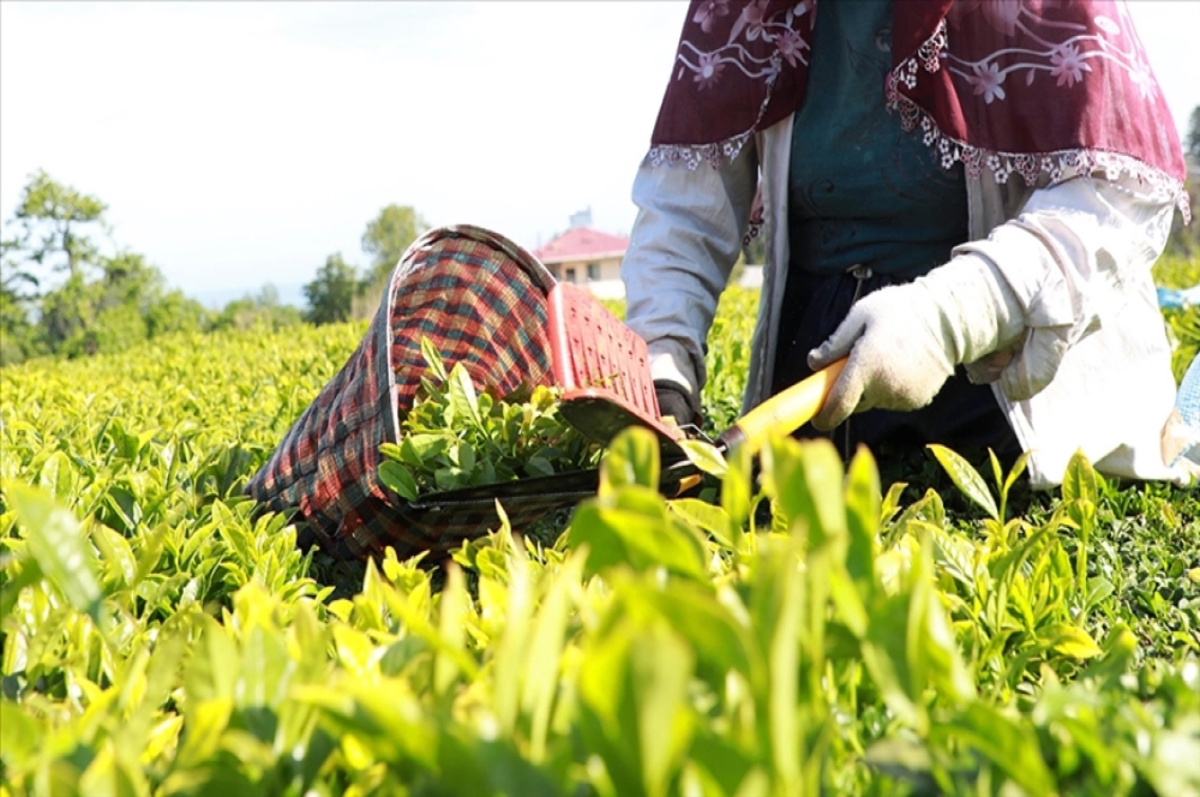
30,574
1079,480
397,479
56,541
632,459
863,511
1018,468
1073,641
453,604
639,539
805,479
463,399
966,479
1004,742
736,486
704,516
704,456
433,358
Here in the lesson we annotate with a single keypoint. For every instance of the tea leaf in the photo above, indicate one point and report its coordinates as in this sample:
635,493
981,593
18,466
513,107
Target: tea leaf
891,503
805,479
30,574
1079,480
704,456
56,542
966,479
639,539
397,479
633,688
20,733
462,397
454,603
1010,747
704,516
632,459
736,489
1018,468
433,359
1073,641
863,511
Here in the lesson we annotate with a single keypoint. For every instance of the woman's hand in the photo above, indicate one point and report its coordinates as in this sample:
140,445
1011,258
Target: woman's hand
899,355
903,341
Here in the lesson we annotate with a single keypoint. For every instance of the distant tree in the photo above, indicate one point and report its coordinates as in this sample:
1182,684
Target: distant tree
388,235
107,313
66,316
56,224
14,280
263,311
175,312
18,337
84,300
331,295
367,299
18,294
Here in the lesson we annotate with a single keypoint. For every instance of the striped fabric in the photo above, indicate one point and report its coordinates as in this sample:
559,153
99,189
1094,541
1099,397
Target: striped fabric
481,300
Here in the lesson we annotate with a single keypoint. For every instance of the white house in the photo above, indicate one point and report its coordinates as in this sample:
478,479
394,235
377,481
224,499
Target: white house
587,257
592,259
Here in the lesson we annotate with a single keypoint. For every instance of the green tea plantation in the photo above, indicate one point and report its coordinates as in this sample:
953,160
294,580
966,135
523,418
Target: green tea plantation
925,625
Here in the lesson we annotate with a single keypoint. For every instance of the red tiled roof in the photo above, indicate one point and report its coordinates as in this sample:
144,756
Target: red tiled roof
581,243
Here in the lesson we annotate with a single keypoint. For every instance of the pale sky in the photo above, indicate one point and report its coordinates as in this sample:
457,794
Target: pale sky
238,144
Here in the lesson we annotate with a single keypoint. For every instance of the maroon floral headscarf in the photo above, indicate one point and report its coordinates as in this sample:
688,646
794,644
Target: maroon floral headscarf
1028,86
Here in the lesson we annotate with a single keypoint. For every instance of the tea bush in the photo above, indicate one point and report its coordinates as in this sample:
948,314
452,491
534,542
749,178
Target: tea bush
959,635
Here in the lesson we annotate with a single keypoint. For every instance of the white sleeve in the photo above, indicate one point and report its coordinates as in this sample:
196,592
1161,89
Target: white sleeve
1073,257
684,244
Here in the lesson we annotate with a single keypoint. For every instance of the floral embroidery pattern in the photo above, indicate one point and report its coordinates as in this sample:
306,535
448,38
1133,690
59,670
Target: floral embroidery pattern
751,25
986,81
709,12
708,70
1068,65
1013,55
1065,59
1000,14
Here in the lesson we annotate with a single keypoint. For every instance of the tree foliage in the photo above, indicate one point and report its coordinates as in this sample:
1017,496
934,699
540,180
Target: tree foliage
331,295
388,235
103,300
263,311
56,223
339,292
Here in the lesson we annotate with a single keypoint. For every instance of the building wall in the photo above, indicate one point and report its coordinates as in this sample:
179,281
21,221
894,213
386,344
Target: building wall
608,285
588,272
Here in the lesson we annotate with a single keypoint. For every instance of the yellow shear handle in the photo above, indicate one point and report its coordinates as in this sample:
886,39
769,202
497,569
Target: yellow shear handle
786,411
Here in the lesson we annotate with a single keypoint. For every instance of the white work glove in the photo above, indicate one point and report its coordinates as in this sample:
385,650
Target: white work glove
904,340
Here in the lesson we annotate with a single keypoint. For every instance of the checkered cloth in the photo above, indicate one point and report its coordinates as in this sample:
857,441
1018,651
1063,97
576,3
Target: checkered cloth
481,300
